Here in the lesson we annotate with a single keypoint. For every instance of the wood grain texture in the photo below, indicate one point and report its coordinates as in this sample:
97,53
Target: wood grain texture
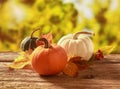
104,74
8,56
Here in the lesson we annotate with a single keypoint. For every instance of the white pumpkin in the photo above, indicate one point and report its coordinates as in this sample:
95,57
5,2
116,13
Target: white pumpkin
78,44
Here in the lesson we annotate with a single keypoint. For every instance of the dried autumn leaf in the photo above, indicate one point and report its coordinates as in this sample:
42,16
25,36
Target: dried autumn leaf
47,36
107,49
21,61
81,64
71,69
75,59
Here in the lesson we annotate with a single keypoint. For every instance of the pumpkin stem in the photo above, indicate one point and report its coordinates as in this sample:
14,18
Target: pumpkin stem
47,45
75,36
36,29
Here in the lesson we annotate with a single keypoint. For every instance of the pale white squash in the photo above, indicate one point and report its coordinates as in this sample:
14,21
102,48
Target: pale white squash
78,44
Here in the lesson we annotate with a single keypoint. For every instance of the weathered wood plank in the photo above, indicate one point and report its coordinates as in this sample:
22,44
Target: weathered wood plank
81,84
8,56
30,85
104,74
100,76
105,71
112,58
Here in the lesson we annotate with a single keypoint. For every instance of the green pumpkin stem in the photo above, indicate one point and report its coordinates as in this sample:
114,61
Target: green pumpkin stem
47,44
36,29
75,36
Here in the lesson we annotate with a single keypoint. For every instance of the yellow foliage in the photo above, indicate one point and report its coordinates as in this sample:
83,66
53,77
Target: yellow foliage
18,18
21,61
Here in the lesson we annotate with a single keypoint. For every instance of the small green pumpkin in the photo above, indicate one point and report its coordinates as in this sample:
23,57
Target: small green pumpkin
29,42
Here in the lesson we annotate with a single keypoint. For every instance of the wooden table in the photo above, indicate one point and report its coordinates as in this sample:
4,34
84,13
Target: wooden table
104,74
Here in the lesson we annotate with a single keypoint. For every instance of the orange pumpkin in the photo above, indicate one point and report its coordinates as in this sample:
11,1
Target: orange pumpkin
49,60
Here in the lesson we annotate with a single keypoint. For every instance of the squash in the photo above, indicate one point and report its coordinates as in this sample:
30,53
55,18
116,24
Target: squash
29,42
78,45
50,59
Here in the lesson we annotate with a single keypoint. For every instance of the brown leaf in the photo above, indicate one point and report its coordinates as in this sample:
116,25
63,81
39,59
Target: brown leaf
71,69
47,36
81,64
75,59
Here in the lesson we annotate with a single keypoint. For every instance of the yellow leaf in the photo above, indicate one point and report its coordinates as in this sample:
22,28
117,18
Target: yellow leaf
21,61
107,49
19,65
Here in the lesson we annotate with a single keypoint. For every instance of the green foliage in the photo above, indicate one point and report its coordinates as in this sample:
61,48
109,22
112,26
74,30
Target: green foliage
20,17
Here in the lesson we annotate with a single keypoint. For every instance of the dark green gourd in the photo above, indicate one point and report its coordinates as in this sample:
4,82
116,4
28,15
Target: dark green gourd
29,42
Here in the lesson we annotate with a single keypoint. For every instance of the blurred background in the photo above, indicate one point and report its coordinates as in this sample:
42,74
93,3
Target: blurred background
18,18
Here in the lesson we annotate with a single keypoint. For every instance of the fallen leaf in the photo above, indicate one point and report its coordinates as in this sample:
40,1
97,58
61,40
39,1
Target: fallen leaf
21,61
75,59
47,36
107,49
71,69
81,64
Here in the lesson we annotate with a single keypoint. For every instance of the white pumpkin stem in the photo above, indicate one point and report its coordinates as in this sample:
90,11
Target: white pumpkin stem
75,36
